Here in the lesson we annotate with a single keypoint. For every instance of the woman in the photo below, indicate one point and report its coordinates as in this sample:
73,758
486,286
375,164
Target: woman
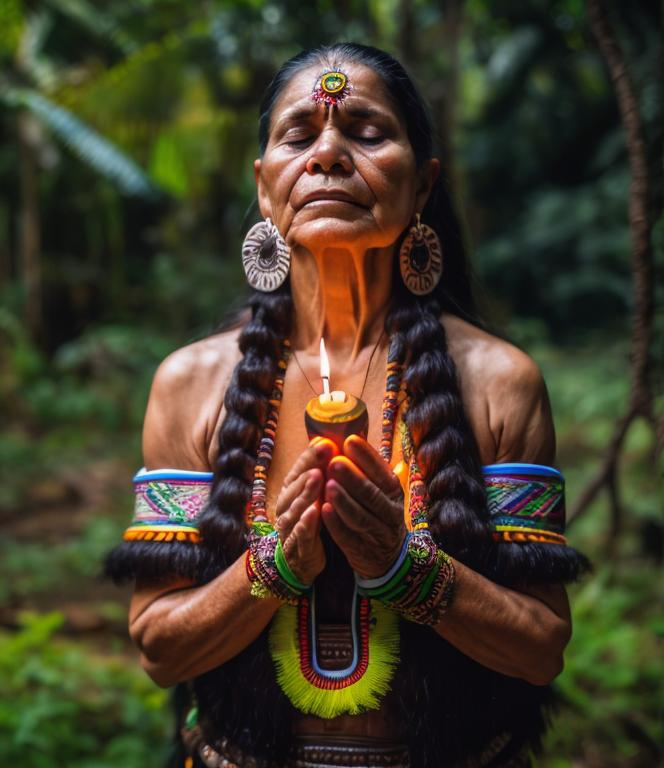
359,603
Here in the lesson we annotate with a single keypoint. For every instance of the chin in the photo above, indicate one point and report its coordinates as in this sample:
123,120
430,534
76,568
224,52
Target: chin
328,232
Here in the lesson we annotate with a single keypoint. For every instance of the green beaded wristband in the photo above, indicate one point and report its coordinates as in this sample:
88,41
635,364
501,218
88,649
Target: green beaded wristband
285,572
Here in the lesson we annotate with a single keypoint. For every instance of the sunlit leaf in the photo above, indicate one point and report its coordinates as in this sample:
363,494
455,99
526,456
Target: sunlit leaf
88,145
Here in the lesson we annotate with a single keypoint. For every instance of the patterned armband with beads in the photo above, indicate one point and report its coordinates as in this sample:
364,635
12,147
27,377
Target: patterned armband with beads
420,584
164,537
267,569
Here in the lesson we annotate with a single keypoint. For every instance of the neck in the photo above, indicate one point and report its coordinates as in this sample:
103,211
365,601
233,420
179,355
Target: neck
342,297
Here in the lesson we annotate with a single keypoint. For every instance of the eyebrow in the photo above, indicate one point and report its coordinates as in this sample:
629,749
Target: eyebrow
352,110
296,114
355,110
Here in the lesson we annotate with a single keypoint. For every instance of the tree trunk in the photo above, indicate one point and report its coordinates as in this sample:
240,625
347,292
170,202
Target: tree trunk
448,102
640,397
406,33
5,245
29,241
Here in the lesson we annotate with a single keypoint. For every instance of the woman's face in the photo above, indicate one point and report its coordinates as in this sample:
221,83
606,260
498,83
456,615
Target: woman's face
341,176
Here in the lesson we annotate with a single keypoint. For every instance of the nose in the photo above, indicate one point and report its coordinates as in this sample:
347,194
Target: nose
329,154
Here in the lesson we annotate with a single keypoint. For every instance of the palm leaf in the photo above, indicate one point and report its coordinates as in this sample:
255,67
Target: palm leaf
88,145
99,23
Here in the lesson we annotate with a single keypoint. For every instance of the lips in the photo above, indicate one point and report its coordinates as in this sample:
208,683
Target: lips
329,195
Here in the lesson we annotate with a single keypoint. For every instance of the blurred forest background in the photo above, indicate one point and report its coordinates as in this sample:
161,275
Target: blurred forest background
127,139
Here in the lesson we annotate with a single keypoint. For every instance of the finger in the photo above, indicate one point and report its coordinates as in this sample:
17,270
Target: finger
307,529
351,514
291,492
336,527
366,493
310,481
367,458
317,455
359,519
301,539
310,494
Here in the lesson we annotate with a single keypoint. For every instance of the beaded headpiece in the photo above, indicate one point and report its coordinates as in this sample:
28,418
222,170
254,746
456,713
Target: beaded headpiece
331,88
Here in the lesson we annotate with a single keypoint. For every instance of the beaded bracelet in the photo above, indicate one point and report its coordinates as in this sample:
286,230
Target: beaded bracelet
267,569
419,585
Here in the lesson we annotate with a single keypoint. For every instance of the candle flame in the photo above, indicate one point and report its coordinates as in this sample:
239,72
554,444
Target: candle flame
324,367
324,361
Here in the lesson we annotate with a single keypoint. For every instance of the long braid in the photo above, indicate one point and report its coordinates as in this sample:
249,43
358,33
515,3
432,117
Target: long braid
223,526
446,448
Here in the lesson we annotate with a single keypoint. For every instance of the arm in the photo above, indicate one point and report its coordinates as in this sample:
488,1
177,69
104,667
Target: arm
521,633
183,630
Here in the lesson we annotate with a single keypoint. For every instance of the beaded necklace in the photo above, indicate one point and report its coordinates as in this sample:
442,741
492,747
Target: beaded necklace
257,507
374,629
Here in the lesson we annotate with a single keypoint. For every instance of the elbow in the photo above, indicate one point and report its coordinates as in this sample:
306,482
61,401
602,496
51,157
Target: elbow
156,654
548,661
546,671
160,674
161,666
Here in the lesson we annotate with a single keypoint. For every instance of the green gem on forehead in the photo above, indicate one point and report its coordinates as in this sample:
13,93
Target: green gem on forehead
333,82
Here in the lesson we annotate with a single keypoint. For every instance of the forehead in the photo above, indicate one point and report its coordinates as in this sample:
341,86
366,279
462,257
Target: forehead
368,91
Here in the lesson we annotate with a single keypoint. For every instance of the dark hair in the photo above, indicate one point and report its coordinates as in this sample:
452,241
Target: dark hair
442,436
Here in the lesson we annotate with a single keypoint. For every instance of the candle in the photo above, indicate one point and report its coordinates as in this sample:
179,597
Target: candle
324,367
334,414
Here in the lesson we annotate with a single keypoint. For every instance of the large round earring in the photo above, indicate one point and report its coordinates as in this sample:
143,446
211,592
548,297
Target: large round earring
265,257
421,259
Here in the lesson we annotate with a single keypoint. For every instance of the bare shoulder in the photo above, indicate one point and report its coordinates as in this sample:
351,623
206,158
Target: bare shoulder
186,401
504,394
197,365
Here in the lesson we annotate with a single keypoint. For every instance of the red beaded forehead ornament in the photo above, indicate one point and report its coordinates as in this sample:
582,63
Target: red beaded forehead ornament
331,88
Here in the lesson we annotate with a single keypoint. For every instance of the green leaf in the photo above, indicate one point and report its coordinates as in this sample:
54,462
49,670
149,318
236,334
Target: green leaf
88,145
11,25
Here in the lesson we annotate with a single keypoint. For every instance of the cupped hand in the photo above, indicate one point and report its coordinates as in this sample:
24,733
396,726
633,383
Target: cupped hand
298,517
363,508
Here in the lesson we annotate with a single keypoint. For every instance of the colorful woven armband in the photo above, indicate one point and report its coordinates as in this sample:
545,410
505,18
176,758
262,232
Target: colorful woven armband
526,503
168,505
419,585
267,569
163,537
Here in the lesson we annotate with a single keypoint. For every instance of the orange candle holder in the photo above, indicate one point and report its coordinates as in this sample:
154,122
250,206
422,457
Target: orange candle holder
335,416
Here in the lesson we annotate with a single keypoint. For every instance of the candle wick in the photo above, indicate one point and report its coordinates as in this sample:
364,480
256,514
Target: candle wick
326,385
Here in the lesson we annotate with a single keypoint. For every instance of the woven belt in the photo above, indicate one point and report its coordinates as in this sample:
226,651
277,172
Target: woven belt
225,755
370,756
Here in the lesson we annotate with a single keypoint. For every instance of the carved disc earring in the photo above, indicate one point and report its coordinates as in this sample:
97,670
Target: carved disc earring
421,259
265,257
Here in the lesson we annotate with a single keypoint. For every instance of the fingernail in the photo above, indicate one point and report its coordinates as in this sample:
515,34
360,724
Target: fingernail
322,449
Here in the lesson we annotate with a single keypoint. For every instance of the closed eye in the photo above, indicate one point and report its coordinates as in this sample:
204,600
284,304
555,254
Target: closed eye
370,140
300,143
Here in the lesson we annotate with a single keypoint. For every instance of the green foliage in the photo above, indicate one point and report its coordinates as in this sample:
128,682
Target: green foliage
84,142
611,686
31,568
138,95
83,405
65,707
11,25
